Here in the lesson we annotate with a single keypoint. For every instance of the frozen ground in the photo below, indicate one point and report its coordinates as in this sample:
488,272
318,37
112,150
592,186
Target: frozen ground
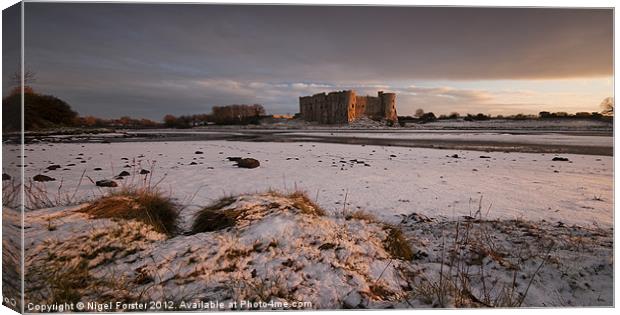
276,252
505,137
485,228
533,124
382,180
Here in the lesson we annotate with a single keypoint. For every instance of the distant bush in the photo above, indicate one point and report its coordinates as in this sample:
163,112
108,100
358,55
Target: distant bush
40,112
427,117
477,117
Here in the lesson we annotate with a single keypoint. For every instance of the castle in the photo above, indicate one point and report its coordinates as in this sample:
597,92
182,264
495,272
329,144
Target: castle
344,107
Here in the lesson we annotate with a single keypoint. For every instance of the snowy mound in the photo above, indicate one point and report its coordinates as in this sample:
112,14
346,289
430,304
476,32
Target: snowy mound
267,247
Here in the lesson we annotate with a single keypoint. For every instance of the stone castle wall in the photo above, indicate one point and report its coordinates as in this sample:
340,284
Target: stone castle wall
345,106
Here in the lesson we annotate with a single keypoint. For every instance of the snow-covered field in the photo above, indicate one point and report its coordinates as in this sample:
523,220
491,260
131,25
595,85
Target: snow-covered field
524,230
382,180
541,124
540,139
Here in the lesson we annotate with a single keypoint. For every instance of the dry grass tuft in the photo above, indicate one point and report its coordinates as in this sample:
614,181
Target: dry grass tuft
361,215
396,244
302,202
212,218
145,205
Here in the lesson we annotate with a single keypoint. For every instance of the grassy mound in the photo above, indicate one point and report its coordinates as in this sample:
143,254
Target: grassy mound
145,205
227,212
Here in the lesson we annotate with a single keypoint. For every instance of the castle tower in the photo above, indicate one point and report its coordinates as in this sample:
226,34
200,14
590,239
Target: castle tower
388,102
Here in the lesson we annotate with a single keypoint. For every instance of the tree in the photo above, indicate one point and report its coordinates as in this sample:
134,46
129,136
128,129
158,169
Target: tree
419,112
607,106
16,79
428,117
544,115
40,111
170,121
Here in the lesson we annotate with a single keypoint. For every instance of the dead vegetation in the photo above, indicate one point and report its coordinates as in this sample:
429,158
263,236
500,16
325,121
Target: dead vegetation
302,202
146,205
362,216
213,217
397,245
490,263
11,193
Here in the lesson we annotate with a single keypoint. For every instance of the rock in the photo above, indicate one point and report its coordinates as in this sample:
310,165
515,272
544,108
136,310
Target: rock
97,169
485,157
234,158
193,163
456,156
559,158
198,152
6,176
144,172
248,163
43,178
418,255
123,174
392,155
352,300
53,167
106,183
415,218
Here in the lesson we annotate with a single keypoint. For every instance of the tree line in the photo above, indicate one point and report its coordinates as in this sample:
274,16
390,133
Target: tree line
236,114
606,113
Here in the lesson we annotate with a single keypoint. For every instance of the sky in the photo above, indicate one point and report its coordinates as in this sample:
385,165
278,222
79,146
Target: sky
148,60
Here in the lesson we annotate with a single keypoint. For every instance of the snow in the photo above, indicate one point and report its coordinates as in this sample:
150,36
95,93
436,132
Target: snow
279,245
277,252
426,181
553,220
541,124
545,138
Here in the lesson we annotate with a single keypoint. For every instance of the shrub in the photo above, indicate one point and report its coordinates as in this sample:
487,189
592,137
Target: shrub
40,111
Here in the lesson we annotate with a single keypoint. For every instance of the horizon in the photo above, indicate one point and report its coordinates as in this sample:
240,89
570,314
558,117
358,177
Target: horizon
117,59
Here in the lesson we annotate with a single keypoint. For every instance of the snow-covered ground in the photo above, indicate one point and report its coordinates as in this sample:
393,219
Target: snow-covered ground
540,139
276,252
542,124
382,180
504,221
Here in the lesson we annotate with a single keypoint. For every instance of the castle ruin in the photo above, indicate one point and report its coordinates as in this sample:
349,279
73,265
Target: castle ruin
344,107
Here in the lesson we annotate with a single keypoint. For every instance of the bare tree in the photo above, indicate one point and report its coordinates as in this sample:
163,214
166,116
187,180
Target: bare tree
29,77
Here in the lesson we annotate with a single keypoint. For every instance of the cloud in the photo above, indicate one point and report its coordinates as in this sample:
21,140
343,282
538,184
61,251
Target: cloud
109,58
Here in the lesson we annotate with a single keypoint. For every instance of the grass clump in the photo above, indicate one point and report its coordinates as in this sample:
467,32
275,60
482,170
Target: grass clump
302,202
146,205
396,244
362,216
212,218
